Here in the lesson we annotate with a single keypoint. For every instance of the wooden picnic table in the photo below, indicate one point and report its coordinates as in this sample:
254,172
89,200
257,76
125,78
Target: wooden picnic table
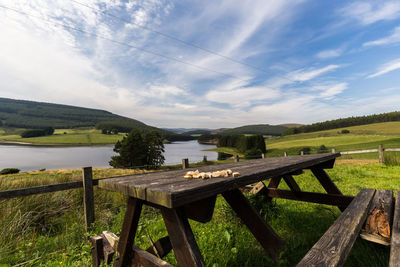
180,199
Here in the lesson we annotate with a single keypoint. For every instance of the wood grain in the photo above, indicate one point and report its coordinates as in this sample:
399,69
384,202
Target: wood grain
334,246
170,189
268,239
321,198
128,232
395,242
186,251
143,258
387,197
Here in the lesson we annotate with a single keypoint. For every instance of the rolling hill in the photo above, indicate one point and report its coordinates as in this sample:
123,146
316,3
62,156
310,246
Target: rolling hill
36,115
264,129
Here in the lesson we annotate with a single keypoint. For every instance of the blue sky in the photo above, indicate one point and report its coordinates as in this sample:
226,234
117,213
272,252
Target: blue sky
267,61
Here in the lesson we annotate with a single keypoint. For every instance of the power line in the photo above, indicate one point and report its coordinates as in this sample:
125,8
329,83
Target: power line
181,41
126,44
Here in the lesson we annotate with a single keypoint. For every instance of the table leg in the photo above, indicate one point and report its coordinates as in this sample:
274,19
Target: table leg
128,232
326,182
186,251
270,241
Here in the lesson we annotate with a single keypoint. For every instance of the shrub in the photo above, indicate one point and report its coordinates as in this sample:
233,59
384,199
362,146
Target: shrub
323,149
253,153
9,171
223,156
306,150
345,131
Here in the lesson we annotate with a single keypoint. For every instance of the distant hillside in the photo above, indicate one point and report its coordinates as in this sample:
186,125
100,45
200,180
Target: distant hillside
264,129
290,125
346,122
187,130
198,131
33,115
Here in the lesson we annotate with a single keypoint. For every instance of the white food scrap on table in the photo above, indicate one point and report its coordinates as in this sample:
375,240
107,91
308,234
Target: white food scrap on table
207,175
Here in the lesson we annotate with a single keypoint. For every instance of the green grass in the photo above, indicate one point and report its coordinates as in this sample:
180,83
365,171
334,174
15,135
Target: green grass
49,227
79,136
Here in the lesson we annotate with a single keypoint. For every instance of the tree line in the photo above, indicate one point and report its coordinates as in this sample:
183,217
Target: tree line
346,122
250,146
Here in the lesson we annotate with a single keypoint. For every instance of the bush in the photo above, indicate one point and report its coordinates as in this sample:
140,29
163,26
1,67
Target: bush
345,131
37,132
9,171
306,150
323,149
223,155
253,153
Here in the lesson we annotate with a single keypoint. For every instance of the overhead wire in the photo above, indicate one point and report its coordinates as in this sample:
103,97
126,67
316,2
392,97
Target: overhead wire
125,44
181,41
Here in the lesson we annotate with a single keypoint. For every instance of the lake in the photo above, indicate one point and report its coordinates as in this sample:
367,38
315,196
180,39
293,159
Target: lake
29,158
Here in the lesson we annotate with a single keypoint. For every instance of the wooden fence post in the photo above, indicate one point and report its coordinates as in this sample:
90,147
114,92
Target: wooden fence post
333,150
302,153
236,158
380,150
284,154
185,163
263,155
88,203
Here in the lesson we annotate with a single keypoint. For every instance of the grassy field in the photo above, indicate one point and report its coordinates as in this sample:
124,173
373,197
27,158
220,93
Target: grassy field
360,138
47,230
79,136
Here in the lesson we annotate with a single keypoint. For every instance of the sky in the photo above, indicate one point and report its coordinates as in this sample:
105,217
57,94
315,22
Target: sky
204,64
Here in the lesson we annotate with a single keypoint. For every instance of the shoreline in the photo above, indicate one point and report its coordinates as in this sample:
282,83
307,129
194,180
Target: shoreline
16,143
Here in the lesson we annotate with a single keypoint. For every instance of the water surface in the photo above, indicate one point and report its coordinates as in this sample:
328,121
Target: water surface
28,158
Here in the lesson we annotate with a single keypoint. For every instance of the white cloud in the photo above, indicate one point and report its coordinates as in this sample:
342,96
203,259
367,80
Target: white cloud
387,67
243,96
330,53
393,38
329,91
371,12
308,74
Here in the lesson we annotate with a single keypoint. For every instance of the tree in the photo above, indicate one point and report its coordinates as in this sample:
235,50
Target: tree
139,150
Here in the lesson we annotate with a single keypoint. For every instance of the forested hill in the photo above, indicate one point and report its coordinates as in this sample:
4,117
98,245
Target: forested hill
263,129
346,122
34,115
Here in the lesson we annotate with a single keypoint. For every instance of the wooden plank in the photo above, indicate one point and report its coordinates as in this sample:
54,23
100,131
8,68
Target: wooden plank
268,239
395,242
327,183
163,247
97,250
334,246
387,197
88,203
170,189
186,251
143,258
321,198
359,151
201,210
291,183
39,190
128,232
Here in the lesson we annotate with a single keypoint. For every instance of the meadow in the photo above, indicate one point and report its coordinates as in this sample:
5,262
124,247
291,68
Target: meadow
48,229
76,136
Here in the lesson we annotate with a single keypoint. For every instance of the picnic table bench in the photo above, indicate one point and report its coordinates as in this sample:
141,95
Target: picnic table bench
335,245
180,199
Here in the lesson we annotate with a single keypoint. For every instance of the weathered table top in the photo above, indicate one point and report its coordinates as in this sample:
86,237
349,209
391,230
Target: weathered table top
170,189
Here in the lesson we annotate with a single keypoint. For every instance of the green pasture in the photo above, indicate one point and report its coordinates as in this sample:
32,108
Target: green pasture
78,136
48,229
